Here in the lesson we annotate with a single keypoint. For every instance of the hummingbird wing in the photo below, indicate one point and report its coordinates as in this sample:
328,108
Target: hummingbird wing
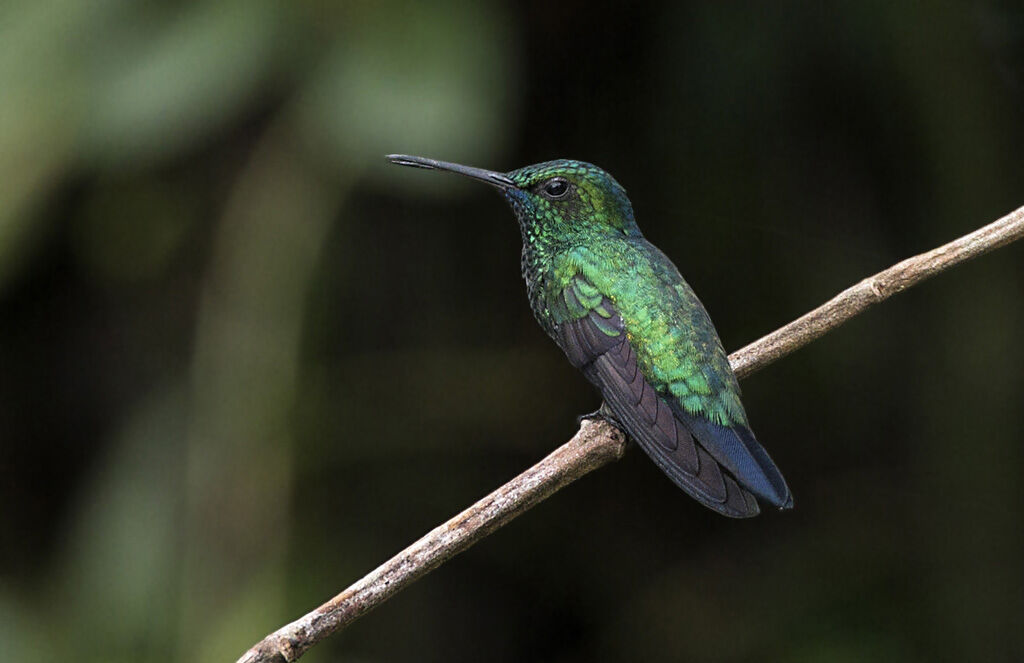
593,335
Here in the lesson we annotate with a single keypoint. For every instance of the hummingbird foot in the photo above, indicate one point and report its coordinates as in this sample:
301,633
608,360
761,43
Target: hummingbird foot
603,412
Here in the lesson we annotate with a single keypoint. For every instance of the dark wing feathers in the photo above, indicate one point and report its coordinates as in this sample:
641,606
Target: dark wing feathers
582,341
721,467
668,442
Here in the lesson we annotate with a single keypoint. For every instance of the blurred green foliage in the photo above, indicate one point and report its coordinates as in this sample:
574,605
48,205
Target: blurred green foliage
242,361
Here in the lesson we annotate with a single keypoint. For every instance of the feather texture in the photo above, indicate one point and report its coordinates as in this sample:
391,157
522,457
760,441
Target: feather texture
723,467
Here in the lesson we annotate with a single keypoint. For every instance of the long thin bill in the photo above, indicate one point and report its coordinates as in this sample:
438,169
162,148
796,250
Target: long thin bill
491,177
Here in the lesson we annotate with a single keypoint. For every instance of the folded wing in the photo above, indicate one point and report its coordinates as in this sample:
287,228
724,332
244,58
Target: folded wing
721,467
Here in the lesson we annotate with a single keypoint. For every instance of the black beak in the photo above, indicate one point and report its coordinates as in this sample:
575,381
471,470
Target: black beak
499,180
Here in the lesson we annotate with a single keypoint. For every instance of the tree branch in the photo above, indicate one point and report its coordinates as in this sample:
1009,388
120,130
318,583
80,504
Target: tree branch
598,443
855,299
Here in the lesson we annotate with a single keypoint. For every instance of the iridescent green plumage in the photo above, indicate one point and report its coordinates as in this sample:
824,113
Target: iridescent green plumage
622,313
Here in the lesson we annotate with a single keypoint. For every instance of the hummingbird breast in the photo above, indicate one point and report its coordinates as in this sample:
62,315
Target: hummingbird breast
537,278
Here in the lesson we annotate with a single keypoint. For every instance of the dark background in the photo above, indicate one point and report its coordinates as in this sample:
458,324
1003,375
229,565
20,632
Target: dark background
243,361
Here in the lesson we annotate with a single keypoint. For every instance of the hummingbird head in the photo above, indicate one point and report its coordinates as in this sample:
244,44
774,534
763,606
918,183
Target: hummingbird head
553,199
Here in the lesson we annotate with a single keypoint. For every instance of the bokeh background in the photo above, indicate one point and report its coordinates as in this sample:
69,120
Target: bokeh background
243,361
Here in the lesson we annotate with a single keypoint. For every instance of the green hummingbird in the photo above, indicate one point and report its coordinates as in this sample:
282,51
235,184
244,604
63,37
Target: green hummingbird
623,315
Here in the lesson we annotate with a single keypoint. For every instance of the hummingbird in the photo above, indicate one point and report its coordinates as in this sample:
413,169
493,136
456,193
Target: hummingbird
624,316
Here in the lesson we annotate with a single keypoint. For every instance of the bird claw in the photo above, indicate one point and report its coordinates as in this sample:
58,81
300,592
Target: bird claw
602,412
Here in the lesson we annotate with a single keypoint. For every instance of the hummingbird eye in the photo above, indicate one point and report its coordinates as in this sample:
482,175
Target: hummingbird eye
555,188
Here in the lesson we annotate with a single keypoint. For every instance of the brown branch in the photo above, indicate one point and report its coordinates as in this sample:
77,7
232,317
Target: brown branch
598,443
855,299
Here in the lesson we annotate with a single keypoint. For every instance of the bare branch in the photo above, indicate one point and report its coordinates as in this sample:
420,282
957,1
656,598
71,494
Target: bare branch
598,443
855,299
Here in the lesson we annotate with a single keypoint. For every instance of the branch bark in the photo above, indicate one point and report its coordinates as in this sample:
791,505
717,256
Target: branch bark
598,443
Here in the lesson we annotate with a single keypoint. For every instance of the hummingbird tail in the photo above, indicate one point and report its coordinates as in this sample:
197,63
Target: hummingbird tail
736,448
